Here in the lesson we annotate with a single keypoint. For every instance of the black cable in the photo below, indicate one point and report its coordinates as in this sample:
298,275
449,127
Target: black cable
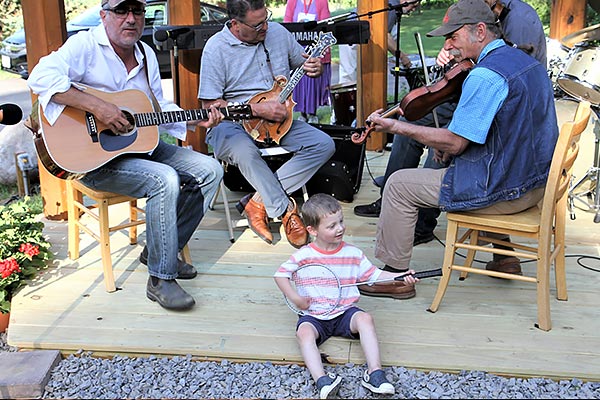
369,169
580,257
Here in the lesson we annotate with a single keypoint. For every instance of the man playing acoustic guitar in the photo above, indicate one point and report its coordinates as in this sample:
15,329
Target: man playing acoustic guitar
241,63
177,182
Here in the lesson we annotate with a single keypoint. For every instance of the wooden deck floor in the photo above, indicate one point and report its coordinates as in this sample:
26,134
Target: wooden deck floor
482,324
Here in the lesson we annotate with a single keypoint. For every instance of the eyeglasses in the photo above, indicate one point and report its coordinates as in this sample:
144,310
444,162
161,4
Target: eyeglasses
122,12
258,27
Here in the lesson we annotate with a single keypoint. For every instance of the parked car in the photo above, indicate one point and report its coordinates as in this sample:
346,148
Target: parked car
14,53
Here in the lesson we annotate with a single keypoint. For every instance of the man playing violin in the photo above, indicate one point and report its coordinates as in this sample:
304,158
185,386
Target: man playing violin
501,136
238,62
521,26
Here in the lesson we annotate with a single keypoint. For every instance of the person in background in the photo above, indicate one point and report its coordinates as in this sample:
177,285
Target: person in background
506,109
311,93
522,27
178,183
324,220
238,62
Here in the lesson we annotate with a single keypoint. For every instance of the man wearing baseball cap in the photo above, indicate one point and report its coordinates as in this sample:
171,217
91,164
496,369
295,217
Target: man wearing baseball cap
505,112
178,183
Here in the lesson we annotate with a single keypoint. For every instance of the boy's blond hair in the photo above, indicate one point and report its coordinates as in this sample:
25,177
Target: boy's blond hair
317,207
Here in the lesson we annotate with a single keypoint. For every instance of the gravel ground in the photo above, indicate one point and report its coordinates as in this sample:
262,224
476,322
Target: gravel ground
82,376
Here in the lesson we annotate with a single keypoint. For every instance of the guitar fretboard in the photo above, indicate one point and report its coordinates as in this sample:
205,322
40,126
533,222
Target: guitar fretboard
167,117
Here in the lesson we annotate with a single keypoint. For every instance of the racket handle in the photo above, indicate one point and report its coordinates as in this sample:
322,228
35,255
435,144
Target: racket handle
422,274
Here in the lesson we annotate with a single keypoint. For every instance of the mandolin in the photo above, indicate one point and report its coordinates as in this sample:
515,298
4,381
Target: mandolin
270,132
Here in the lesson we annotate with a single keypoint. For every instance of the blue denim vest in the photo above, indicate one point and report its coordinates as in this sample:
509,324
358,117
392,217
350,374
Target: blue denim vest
518,150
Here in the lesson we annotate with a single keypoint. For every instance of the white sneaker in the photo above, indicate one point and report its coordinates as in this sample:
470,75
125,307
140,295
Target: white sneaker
328,385
313,119
301,118
377,382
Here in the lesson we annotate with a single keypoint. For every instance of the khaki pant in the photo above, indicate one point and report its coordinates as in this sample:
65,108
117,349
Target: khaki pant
408,189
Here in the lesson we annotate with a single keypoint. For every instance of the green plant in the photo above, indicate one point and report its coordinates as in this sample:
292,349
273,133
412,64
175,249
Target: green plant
24,250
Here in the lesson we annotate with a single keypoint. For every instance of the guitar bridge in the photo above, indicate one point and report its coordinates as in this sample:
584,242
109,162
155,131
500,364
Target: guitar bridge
92,127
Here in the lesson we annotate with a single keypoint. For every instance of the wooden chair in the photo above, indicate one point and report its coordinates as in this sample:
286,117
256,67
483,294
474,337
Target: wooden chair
243,222
98,211
544,224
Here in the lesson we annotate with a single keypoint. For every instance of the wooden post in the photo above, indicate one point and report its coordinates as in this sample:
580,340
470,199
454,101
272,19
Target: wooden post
187,12
45,32
372,70
566,16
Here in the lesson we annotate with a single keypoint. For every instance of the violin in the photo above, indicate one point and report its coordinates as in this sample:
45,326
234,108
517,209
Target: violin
422,100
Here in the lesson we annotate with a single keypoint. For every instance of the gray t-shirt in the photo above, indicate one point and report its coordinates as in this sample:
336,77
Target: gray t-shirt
235,71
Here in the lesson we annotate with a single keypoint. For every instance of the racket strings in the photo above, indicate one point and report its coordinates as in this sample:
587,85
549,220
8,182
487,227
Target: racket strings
321,285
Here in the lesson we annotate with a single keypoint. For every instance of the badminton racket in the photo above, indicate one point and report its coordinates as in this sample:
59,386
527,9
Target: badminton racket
319,283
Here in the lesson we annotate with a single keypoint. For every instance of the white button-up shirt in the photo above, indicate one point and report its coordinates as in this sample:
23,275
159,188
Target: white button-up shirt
88,58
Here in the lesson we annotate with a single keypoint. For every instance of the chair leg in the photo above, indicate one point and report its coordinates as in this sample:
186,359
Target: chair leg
109,278
73,217
185,254
474,239
223,191
559,260
133,217
543,287
452,233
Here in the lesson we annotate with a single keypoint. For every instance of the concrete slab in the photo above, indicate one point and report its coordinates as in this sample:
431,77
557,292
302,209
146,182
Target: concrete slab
25,374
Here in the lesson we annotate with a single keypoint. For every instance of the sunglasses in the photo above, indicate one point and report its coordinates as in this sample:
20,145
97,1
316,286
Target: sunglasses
122,12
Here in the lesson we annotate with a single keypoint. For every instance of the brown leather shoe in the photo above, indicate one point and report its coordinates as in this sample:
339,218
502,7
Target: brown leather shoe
295,230
396,290
509,265
258,220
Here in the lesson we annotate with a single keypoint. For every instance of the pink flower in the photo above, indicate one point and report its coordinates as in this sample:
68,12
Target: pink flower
8,267
29,249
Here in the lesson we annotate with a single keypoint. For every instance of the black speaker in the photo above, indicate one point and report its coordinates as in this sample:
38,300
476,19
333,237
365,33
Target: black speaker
340,176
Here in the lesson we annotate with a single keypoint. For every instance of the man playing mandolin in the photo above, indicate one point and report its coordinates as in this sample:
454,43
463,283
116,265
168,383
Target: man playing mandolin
177,182
241,63
501,136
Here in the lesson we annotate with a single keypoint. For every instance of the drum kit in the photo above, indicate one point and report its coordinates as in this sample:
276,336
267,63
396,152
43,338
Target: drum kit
574,68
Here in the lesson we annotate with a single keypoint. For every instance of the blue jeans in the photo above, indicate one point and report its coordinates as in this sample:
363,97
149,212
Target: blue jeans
311,147
407,152
178,183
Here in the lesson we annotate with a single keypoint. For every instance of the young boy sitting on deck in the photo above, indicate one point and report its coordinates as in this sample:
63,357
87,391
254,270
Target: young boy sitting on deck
322,215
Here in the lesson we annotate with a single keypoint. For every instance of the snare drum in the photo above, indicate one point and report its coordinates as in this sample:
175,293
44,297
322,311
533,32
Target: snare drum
581,75
343,99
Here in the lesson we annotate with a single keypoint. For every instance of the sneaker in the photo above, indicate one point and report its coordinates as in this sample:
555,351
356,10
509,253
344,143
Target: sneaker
369,210
328,385
301,118
313,119
376,382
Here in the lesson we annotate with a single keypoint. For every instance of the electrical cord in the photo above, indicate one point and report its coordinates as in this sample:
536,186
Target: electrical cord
369,169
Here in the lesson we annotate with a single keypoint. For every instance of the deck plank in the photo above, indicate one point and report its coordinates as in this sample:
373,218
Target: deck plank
482,323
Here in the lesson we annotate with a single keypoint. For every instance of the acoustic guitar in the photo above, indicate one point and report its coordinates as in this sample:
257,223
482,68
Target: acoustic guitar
78,143
270,132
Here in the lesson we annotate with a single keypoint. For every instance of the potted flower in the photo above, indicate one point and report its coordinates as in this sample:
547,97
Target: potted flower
24,251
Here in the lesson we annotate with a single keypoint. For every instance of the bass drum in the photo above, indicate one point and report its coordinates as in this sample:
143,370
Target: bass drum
343,100
581,75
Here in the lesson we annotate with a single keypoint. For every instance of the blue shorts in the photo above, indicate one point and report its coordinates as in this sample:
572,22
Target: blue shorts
339,326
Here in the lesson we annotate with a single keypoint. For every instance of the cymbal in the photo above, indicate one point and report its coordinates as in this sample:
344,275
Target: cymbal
589,33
